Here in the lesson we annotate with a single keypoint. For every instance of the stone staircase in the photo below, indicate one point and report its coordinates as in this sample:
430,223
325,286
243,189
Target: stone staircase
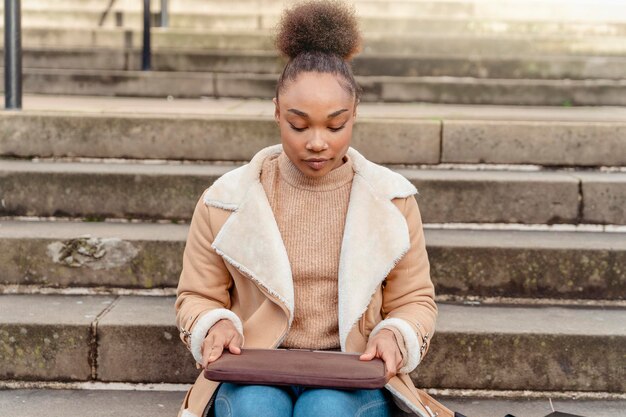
457,51
524,207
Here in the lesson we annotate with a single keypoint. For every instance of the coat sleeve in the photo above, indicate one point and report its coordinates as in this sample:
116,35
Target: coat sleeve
408,293
203,293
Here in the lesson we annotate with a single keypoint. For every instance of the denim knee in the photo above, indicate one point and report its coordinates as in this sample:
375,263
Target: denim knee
342,403
234,400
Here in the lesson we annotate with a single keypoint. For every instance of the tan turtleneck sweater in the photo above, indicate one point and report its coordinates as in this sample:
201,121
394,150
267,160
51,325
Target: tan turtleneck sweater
310,213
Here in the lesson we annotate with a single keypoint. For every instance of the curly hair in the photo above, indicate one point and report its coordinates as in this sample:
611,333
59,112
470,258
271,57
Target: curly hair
319,36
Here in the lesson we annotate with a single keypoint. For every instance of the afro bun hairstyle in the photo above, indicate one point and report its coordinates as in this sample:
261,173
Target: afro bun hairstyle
325,26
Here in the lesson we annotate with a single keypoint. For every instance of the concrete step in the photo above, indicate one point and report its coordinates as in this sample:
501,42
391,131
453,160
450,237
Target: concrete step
482,263
170,191
606,10
397,65
157,403
100,403
81,338
513,46
450,90
370,22
238,136
250,108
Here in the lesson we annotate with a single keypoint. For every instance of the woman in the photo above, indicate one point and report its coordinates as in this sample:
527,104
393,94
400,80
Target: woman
309,245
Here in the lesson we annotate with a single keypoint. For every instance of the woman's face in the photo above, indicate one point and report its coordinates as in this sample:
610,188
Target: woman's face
315,115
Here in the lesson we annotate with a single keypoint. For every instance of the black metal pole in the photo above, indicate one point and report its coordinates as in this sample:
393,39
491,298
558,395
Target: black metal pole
12,55
164,14
146,53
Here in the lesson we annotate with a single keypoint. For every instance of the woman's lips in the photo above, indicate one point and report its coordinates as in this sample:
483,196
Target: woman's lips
316,164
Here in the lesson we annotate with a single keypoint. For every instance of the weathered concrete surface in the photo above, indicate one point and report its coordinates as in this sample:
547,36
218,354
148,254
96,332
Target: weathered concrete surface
154,403
48,338
224,40
379,88
558,92
168,191
533,67
104,190
476,407
75,58
552,143
605,10
138,342
41,134
544,348
377,23
160,137
251,108
369,64
520,348
604,197
495,196
395,142
256,62
500,45
118,83
563,265
35,37
133,255
528,264
433,44
507,92
100,403
246,85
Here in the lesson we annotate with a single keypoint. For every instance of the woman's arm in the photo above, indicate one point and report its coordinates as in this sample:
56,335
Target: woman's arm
408,293
203,296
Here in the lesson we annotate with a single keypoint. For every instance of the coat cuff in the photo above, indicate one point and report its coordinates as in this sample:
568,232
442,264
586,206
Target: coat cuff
410,341
205,322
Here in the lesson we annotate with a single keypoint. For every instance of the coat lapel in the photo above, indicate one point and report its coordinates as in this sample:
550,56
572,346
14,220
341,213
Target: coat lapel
375,238
250,239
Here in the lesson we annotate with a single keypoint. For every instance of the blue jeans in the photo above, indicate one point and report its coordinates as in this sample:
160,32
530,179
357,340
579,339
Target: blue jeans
235,400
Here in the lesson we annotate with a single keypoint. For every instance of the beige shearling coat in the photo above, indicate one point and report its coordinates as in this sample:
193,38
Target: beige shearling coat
235,267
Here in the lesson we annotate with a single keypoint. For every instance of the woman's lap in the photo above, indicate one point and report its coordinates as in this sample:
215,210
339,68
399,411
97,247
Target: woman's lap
234,400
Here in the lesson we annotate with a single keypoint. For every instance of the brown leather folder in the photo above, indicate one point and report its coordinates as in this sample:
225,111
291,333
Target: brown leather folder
320,369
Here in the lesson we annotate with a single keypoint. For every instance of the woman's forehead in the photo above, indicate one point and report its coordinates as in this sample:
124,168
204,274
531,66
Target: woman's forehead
316,92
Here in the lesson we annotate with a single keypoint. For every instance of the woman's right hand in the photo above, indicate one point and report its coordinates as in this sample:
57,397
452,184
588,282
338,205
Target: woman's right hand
222,334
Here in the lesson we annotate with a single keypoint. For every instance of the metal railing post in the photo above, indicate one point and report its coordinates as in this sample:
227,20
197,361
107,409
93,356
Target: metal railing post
12,55
146,53
164,14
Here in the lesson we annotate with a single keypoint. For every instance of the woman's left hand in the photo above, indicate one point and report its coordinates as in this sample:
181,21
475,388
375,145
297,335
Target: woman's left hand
384,346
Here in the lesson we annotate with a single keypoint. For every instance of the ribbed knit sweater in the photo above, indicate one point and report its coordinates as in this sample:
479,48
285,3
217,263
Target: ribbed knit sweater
311,216
310,213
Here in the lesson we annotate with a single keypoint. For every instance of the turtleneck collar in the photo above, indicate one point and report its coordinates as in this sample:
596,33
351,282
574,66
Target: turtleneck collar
336,178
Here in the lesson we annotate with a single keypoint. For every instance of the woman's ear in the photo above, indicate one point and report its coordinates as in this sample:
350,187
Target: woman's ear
356,105
276,110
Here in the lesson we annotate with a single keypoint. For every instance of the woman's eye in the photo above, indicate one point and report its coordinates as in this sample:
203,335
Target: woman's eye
297,129
336,129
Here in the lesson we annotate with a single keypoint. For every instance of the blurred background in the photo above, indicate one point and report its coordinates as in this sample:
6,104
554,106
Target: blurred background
453,51
508,116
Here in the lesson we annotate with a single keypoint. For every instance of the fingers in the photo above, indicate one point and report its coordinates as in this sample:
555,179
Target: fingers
391,363
220,337
369,354
212,349
383,346
234,344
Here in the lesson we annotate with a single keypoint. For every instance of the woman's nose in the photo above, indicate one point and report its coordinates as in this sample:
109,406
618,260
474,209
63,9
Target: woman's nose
317,142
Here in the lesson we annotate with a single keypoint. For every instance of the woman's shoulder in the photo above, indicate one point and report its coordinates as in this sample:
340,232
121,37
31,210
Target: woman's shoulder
230,188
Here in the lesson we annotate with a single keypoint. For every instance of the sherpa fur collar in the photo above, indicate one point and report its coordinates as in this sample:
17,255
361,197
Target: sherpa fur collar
376,235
